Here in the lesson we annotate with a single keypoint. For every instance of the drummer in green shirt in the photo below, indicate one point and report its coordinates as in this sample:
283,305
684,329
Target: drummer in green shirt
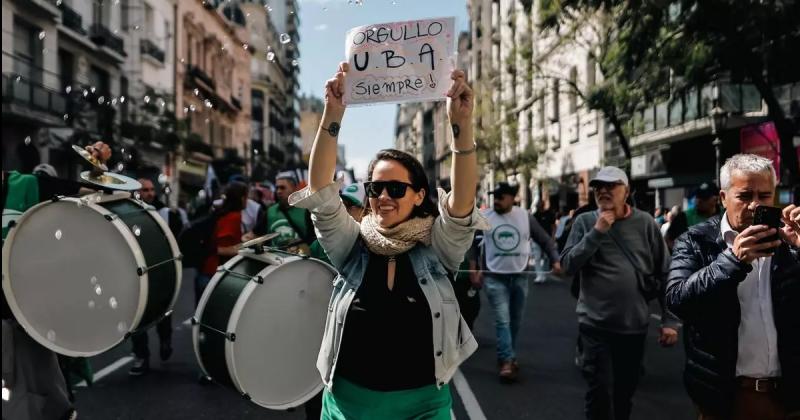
353,199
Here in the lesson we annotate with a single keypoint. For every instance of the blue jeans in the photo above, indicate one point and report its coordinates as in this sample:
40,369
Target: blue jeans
507,294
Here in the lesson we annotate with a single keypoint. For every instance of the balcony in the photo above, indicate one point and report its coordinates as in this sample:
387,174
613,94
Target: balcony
47,8
29,101
71,19
103,36
148,48
197,74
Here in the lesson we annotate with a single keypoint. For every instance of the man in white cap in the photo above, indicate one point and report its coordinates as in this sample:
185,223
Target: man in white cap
623,262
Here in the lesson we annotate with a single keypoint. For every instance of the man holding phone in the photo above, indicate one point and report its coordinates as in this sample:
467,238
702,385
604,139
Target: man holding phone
738,295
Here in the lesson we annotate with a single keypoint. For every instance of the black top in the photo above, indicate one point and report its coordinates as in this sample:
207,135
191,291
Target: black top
388,337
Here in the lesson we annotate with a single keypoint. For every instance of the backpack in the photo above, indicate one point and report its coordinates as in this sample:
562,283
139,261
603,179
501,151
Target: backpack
196,241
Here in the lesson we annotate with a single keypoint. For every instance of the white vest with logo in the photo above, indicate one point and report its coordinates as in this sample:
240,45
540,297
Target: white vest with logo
507,245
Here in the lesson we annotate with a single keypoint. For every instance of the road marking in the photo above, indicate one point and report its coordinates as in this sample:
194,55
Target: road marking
108,370
474,411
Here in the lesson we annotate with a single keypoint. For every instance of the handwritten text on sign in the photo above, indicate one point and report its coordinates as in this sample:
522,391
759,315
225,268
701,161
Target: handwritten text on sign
400,61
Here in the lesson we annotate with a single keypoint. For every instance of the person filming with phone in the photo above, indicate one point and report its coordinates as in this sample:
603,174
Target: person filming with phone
735,282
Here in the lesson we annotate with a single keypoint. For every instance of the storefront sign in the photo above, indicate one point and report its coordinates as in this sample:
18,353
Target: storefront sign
762,140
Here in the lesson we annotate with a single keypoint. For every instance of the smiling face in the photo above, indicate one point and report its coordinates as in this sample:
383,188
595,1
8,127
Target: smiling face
746,192
389,211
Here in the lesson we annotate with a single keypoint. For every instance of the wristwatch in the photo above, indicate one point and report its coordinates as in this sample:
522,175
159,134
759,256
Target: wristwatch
332,129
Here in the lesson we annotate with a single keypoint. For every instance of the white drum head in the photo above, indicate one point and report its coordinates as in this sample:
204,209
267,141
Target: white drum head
70,278
279,332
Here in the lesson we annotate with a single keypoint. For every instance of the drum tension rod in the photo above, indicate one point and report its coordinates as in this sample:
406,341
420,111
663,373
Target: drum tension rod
229,335
142,270
246,396
258,279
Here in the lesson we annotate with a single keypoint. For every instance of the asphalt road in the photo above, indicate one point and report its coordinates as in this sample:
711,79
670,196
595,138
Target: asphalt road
550,386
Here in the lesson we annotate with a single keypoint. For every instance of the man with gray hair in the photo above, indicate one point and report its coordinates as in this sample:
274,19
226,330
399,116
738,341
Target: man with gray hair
623,262
739,297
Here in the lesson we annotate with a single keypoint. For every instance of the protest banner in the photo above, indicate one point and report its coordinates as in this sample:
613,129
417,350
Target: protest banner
400,61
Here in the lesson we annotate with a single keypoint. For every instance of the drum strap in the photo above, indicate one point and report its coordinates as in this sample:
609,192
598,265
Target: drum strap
307,235
5,189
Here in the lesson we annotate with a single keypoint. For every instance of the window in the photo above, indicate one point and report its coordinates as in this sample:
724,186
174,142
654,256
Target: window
124,17
148,20
66,62
591,71
27,51
100,15
573,94
99,79
123,91
554,111
540,112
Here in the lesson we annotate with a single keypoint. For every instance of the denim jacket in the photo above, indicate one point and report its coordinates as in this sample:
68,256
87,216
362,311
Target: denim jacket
339,235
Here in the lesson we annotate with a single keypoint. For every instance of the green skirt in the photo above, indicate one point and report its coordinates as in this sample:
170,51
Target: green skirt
348,401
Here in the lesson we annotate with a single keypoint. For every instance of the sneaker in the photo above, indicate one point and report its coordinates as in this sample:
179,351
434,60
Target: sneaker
140,367
165,351
508,372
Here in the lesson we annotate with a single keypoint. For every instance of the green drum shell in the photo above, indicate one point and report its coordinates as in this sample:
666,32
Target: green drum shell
163,280
216,313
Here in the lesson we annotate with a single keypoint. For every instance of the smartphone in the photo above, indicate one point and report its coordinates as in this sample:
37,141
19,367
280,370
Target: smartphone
770,216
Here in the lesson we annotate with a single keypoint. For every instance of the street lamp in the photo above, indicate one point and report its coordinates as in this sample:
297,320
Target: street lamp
718,119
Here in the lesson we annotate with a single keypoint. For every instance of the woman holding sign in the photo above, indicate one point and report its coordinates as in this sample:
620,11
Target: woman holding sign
394,335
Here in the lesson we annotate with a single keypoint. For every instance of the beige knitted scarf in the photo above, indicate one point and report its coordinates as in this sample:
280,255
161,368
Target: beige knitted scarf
398,239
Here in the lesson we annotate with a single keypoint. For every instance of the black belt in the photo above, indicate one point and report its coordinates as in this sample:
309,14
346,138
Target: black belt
764,385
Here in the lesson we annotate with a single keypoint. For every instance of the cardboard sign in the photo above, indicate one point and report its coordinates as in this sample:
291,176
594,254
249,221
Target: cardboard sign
400,61
762,140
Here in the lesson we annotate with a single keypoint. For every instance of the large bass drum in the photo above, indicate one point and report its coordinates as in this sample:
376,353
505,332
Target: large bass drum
259,326
81,274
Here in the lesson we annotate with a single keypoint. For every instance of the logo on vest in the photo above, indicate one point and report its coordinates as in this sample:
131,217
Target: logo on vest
506,237
285,231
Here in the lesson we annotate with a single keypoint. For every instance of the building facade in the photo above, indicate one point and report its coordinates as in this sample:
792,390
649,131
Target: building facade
63,80
212,82
529,86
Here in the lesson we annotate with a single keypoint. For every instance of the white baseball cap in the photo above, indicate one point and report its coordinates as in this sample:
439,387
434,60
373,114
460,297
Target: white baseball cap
355,193
610,174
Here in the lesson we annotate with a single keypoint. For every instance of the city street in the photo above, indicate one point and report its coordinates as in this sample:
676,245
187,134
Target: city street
550,386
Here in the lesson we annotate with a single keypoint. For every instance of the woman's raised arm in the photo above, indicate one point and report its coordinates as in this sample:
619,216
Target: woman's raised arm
464,172
322,164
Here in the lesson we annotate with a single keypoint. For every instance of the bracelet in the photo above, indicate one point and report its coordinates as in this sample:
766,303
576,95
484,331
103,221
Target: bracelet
464,152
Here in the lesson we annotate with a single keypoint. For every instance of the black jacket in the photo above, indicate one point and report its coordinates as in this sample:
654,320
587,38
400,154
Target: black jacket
702,291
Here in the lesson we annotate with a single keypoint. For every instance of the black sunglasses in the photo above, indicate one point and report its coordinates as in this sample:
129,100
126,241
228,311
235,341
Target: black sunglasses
608,186
396,189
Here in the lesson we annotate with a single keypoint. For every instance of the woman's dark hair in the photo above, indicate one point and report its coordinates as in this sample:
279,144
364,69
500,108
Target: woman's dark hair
234,194
419,180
